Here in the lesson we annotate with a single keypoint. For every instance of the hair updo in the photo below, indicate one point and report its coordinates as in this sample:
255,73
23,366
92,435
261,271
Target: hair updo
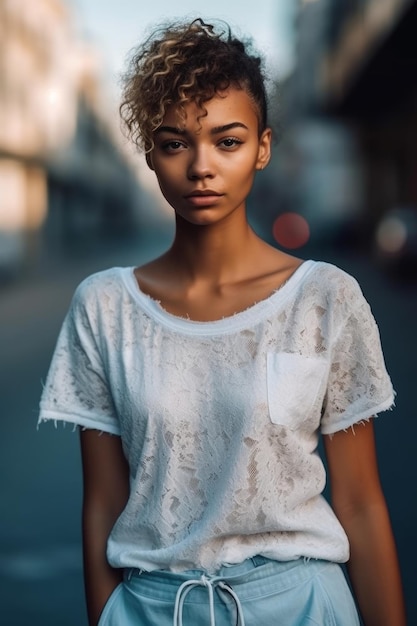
182,63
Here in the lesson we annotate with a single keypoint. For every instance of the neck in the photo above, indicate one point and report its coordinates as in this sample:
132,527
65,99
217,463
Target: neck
215,253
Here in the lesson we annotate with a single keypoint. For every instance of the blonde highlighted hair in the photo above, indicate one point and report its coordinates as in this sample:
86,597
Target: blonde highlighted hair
185,62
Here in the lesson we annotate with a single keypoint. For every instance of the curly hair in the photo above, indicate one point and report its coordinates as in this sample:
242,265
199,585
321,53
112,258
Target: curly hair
182,63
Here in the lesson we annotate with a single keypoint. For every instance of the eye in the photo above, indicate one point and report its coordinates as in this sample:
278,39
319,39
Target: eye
173,146
230,142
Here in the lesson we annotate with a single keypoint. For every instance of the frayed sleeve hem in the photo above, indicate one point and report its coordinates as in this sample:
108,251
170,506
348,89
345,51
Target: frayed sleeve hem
354,419
83,421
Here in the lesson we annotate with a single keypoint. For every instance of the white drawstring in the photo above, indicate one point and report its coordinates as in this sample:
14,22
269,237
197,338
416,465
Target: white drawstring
210,584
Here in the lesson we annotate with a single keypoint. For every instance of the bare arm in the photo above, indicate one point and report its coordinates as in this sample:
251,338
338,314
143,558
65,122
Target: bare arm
106,489
360,505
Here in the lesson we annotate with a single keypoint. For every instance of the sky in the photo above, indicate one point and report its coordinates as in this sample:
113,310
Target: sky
116,26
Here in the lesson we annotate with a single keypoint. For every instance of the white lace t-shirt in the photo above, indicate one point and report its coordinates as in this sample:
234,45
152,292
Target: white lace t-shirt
220,420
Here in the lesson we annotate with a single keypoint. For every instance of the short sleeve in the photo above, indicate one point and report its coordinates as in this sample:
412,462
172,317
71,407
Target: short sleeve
359,386
76,388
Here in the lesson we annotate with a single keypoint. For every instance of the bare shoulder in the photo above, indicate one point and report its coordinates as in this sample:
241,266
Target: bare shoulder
154,268
157,277
274,266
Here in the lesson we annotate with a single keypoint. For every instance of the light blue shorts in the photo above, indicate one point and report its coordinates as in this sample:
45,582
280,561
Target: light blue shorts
257,592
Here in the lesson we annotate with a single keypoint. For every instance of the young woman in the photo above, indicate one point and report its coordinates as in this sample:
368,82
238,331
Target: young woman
201,382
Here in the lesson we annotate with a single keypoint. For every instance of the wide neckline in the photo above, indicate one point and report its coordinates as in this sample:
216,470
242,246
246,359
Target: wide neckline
233,322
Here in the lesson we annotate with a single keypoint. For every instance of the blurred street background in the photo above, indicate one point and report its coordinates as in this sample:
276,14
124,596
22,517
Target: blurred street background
74,199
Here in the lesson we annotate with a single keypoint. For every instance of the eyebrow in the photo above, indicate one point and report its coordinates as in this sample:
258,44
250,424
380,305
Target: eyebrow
214,131
170,129
221,129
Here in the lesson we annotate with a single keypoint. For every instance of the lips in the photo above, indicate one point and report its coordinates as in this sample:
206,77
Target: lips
203,198
203,192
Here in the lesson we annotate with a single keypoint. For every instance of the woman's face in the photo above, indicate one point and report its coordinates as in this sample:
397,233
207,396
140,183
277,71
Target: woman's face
206,165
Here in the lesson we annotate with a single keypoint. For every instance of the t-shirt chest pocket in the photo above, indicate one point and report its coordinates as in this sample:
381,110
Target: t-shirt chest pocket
295,386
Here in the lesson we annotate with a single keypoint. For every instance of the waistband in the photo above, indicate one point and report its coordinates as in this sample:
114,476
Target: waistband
254,578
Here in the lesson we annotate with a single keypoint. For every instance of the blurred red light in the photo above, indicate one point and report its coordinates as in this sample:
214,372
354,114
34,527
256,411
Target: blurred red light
291,230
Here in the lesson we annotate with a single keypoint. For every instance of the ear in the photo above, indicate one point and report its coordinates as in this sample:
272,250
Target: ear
148,157
264,150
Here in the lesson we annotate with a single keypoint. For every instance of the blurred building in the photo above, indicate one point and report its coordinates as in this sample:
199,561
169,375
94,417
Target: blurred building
368,77
355,68
62,174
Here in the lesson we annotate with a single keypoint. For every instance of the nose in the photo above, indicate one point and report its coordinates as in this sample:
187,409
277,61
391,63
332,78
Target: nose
200,165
